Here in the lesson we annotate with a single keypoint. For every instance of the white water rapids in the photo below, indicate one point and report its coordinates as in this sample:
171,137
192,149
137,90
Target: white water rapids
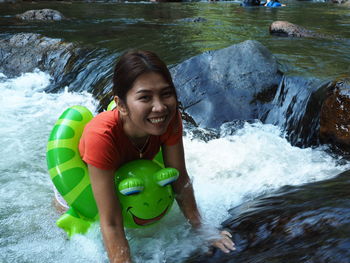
225,173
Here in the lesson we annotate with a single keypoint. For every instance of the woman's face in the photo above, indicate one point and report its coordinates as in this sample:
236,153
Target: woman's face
150,106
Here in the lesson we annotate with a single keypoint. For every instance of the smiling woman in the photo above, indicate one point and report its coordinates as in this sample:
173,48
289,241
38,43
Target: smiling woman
146,118
142,186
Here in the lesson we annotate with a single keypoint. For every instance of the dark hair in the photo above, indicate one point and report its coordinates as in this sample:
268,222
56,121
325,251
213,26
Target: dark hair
134,63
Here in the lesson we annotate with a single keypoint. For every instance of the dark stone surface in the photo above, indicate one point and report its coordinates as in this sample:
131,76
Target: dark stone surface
251,3
76,67
193,19
344,2
309,223
287,29
296,109
41,15
234,83
216,89
335,117
24,52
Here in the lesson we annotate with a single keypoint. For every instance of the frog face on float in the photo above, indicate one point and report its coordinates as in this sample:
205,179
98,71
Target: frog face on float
144,192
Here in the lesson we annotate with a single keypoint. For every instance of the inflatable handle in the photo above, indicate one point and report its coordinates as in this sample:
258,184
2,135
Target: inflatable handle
131,186
166,176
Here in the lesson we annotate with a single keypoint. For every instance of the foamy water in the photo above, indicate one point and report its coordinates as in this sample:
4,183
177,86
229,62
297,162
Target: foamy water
225,172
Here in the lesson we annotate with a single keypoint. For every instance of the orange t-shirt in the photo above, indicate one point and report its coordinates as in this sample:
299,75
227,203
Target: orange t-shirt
105,145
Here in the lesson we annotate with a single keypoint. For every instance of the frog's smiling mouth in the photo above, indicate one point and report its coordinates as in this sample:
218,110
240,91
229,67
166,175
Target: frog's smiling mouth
145,222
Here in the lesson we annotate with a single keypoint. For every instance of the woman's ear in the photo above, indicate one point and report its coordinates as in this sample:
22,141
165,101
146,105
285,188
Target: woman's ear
121,105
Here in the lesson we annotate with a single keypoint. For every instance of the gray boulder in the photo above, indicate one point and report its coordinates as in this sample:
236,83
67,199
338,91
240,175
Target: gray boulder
234,83
26,51
287,29
69,65
41,15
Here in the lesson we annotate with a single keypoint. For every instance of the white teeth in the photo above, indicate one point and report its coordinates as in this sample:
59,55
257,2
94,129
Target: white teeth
157,120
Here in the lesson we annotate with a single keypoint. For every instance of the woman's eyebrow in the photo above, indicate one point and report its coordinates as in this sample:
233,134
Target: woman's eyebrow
150,91
143,91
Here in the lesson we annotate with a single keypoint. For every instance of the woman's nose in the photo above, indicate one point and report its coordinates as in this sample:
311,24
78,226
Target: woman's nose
158,105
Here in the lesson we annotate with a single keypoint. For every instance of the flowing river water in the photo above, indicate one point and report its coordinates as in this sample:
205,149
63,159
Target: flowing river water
226,172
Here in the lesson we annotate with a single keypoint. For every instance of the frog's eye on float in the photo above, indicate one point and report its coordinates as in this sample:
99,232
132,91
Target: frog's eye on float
166,176
131,186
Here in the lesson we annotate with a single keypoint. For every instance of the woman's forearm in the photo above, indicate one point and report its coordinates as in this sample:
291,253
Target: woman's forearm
185,198
102,182
116,244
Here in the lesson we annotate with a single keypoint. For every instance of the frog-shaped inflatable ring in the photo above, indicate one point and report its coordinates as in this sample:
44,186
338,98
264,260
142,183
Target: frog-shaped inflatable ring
142,186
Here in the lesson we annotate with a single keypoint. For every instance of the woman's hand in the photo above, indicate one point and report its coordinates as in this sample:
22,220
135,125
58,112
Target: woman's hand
224,243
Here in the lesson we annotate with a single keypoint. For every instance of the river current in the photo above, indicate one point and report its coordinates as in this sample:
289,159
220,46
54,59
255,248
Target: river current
226,172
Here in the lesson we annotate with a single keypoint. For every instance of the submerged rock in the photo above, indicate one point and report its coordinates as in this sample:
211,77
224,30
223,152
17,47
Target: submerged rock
194,19
287,29
234,83
335,117
42,14
308,223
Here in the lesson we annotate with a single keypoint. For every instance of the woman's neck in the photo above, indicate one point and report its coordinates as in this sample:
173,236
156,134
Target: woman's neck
132,133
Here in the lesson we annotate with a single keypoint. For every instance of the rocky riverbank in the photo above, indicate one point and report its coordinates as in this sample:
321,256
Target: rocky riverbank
240,83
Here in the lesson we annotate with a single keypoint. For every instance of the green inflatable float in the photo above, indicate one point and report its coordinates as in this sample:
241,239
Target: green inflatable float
143,186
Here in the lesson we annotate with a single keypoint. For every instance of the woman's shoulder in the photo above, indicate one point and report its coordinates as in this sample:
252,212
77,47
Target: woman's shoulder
102,122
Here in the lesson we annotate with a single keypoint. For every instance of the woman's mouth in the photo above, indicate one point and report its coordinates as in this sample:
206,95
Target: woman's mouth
157,120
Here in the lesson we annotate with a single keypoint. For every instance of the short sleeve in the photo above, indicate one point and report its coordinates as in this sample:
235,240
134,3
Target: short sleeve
174,132
97,149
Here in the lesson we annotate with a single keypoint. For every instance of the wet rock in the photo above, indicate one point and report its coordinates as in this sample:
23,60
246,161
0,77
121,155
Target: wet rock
234,83
25,52
346,2
335,117
251,3
308,223
164,1
230,128
194,19
41,15
287,29
197,133
296,109
79,69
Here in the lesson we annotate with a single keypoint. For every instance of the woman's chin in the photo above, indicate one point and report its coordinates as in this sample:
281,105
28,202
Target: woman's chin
157,128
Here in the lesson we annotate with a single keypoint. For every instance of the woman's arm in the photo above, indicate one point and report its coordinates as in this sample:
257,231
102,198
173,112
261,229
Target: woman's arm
111,219
174,157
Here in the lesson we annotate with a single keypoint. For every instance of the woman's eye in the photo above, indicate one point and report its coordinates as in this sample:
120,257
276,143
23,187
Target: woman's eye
145,98
167,94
